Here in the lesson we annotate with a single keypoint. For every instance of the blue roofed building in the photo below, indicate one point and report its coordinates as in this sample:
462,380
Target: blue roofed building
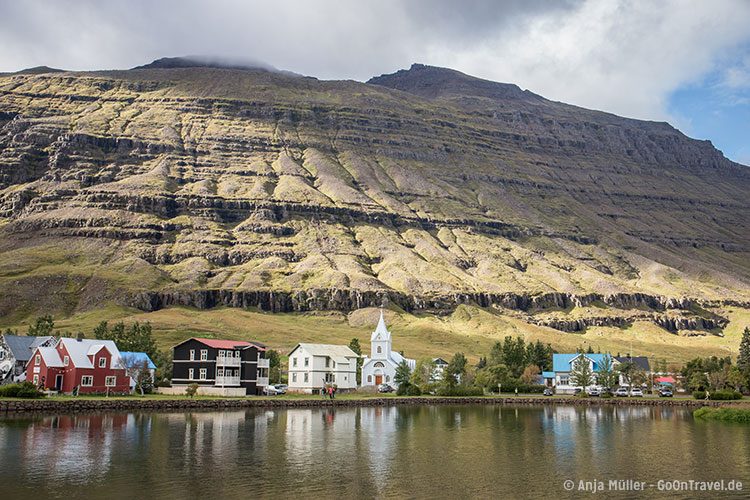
562,366
136,361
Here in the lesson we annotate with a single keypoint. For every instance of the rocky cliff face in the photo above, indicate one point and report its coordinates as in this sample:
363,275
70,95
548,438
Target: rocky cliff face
174,184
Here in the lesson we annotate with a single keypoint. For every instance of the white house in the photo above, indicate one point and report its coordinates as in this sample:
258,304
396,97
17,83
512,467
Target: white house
380,367
313,366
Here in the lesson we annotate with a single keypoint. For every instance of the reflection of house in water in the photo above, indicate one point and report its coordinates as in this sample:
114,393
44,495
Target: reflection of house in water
72,448
212,436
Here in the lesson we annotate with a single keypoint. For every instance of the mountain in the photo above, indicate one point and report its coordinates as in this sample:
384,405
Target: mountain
211,185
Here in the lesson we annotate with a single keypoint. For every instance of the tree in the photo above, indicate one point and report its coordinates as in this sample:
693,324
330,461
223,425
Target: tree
139,371
274,366
743,360
423,373
514,355
530,375
42,327
137,338
581,375
606,376
455,371
496,355
492,376
403,374
631,374
354,346
697,382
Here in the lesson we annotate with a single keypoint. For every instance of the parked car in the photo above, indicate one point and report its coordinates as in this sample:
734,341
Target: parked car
621,392
665,393
636,392
385,388
281,388
549,392
577,391
594,392
271,390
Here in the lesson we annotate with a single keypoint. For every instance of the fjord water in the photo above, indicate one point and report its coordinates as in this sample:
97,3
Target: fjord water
424,451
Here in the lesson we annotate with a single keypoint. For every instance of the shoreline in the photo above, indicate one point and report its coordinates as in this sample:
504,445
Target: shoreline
16,406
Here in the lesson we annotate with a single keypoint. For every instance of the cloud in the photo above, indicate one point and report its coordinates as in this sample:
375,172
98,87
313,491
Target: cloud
621,56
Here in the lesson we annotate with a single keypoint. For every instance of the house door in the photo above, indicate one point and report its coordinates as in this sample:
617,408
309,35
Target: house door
378,379
58,383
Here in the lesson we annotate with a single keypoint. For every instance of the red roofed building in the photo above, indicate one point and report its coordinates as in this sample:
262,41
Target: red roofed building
88,366
222,364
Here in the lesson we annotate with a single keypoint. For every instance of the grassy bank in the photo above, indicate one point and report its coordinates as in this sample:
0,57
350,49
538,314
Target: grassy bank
737,415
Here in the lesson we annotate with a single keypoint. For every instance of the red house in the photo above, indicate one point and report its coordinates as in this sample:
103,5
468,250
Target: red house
92,366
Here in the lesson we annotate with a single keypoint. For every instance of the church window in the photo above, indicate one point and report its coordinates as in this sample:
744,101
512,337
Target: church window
369,378
387,378
379,365
380,349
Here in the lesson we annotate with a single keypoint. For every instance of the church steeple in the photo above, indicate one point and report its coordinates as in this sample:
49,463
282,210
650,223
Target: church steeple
380,340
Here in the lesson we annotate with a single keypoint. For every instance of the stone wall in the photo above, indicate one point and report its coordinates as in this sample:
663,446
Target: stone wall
182,404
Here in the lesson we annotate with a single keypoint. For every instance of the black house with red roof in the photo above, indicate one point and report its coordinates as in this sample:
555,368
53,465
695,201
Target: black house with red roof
220,363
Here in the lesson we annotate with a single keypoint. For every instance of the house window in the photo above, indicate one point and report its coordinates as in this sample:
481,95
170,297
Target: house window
66,361
306,377
380,349
564,380
36,379
294,362
307,361
202,374
110,381
204,354
346,377
102,362
221,354
220,372
192,354
328,361
237,354
329,378
38,360
2,355
191,374
294,377
87,381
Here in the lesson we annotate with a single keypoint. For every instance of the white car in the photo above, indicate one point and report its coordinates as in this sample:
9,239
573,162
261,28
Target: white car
621,392
636,392
271,390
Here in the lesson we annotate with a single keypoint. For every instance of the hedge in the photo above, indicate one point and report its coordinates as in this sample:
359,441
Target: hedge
460,390
724,395
23,390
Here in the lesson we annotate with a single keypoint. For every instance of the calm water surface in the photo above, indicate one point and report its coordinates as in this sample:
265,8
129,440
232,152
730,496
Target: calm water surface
420,452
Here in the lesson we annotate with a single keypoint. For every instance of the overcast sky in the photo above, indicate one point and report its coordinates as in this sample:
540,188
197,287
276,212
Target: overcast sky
684,61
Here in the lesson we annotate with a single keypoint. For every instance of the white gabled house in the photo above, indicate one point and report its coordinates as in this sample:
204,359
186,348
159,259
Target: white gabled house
313,366
380,367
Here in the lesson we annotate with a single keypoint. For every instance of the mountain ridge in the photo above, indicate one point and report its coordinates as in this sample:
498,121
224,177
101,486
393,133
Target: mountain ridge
206,186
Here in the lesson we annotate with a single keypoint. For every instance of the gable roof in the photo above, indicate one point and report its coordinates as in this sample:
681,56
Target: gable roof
22,347
338,352
226,344
138,357
440,361
639,361
51,357
80,349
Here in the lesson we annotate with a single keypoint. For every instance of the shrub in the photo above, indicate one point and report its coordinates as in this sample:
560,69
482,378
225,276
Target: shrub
22,390
739,415
408,390
460,390
191,390
723,395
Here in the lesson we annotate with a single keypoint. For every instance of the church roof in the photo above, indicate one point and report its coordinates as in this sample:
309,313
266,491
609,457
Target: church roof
380,330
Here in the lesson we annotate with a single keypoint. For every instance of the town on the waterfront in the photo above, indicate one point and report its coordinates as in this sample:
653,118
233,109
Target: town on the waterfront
124,360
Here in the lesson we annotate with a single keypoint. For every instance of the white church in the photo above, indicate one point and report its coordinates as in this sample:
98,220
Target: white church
380,367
